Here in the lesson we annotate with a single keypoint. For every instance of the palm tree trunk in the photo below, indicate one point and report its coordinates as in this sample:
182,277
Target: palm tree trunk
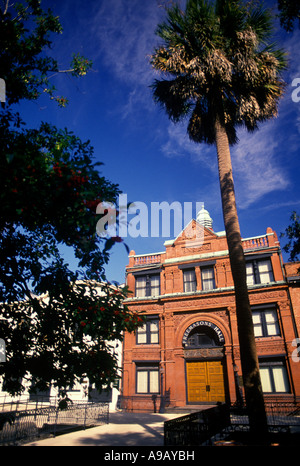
249,360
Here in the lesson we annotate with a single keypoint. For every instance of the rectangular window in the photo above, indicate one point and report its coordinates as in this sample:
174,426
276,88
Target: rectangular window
140,287
265,323
147,285
147,379
274,377
250,273
154,285
265,271
189,280
148,334
259,271
208,278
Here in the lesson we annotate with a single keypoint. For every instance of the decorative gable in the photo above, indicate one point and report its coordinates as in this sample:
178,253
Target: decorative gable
193,239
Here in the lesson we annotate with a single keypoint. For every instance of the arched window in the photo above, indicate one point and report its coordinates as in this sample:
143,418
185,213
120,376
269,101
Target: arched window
202,337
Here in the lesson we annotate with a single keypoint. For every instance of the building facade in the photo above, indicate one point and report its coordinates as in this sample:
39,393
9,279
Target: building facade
187,353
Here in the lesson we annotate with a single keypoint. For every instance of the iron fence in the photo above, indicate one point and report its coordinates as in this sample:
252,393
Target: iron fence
209,425
281,415
19,425
197,428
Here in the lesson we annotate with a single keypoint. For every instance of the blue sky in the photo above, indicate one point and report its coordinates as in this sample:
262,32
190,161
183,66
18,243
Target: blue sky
150,158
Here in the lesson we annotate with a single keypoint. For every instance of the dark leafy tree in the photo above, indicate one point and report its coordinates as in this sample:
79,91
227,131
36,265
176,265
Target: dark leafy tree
25,35
292,233
289,13
58,324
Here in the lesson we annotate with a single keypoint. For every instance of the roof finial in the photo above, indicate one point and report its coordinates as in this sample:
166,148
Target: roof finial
204,218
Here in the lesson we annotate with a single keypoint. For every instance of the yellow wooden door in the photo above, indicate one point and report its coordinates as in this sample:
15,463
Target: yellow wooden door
196,382
215,380
205,381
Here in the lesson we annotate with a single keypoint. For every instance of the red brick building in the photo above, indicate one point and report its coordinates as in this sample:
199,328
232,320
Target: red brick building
187,353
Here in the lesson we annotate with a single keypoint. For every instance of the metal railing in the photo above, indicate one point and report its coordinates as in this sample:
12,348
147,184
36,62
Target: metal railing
20,425
209,425
281,415
196,428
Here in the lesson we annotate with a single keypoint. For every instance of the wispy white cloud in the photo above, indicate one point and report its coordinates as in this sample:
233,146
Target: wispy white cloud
178,144
279,205
124,35
256,167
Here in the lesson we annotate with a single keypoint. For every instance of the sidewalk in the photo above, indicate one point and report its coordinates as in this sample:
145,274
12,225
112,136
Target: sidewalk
124,429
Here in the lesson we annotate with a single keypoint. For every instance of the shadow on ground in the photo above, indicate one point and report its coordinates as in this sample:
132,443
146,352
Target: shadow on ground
123,429
132,429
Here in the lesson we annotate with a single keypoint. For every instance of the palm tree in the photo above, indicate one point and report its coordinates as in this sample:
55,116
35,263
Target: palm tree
220,72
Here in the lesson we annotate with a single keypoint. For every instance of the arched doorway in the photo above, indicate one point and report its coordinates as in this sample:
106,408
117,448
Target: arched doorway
203,351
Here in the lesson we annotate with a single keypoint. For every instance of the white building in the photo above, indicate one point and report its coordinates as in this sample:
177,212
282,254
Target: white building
80,392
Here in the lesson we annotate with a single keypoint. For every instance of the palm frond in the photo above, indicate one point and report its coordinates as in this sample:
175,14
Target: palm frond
169,96
260,20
